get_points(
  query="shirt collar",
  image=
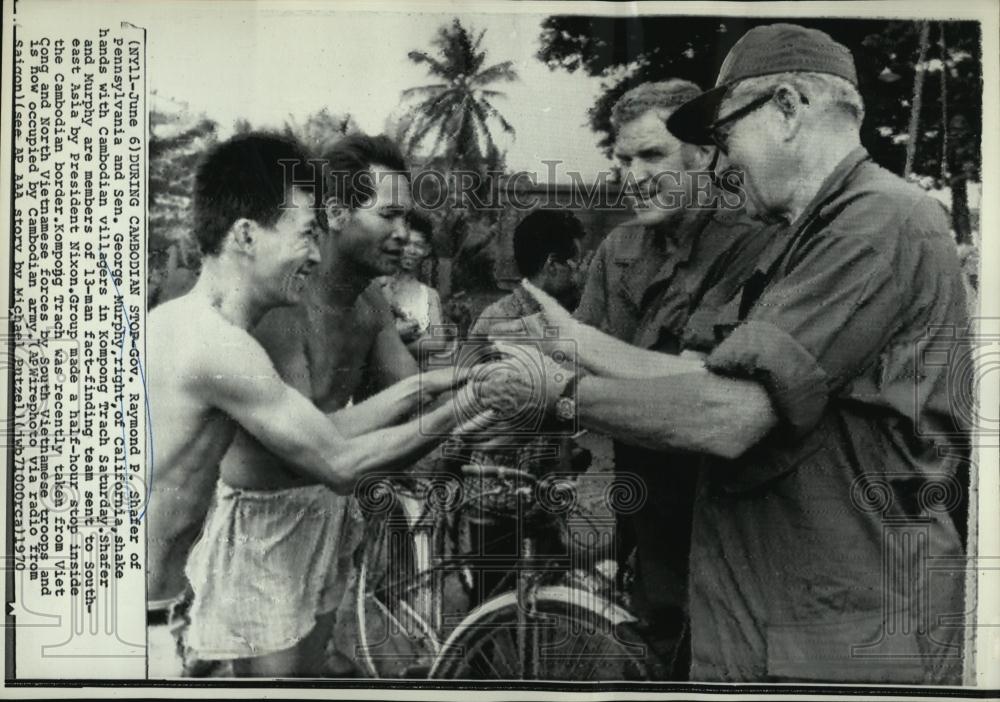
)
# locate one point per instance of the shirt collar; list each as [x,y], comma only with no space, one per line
[781,233]
[833,185]
[676,236]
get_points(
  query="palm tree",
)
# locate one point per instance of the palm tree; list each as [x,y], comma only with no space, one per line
[320,130]
[459,107]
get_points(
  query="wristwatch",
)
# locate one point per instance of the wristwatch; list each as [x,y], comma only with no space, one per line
[565,409]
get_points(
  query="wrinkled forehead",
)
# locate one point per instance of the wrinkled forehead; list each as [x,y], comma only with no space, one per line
[648,131]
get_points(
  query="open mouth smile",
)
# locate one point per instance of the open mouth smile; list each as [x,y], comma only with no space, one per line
[303,273]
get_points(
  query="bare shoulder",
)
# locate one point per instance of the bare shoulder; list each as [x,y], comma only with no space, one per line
[177,329]
[201,345]
[282,333]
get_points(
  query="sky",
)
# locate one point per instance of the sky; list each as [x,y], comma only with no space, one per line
[235,60]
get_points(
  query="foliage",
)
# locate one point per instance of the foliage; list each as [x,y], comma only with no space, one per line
[457,117]
[321,130]
[458,110]
[631,50]
[177,140]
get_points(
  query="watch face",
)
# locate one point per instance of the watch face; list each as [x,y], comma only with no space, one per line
[565,408]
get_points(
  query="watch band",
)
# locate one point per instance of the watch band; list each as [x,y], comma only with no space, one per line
[565,407]
[569,390]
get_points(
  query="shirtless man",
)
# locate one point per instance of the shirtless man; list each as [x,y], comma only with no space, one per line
[342,342]
[209,376]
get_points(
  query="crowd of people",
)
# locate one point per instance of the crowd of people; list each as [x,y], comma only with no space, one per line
[757,367]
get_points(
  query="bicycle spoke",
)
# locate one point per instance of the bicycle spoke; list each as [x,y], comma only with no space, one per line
[513,666]
[575,643]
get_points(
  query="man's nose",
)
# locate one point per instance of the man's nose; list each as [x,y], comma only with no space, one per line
[643,173]
[724,174]
[399,231]
[722,162]
[314,253]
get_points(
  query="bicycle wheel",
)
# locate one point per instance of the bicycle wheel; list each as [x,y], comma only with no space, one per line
[395,599]
[571,635]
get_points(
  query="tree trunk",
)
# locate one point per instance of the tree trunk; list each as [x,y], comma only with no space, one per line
[944,104]
[959,174]
[918,89]
[960,209]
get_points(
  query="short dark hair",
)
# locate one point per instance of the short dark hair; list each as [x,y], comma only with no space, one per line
[415,219]
[545,233]
[244,177]
[421,222]
[351,159]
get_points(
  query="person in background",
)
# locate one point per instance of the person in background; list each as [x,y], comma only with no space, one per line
[547,252]
[416,306]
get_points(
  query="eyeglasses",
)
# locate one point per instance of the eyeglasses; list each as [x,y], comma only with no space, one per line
[719,136]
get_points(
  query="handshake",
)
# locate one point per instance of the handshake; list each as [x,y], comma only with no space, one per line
[518,385]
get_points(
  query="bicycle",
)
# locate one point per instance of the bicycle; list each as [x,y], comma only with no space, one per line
[562,619]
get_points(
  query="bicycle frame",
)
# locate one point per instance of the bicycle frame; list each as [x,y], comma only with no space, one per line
[425,529]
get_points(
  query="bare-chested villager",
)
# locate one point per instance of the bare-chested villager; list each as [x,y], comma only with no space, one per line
[342,342]
[266,552]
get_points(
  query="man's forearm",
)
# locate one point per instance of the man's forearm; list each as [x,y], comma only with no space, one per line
[608,357]
[391,448]
[428,345]
[692,411]
[292,428]
[380,410]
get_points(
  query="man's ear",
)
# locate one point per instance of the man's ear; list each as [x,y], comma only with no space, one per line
[242,234]
[549,268]
[336,214]
[790,103]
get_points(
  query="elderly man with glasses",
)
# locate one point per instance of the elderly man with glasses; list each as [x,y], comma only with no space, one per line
[823,545]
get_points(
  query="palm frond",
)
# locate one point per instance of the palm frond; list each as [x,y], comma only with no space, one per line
[427,122]
[433,106]
[427,90]
[495,114]
[458,113]
[498,72]
[450,123]
[482,116]
[440,115]
[478,41]
[433,65]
